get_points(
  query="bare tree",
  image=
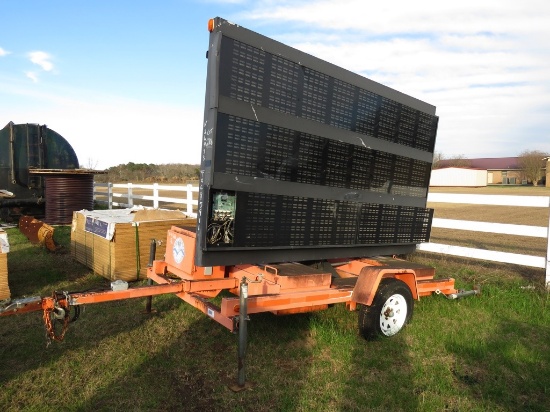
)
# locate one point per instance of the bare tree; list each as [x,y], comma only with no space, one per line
[458,161]
[90,164]
[438,157]
[439,161]
[531,163]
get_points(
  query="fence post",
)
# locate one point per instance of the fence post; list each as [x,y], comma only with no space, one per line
[156,195]
[130,194]
[110,195]
[547,279]
[189,200]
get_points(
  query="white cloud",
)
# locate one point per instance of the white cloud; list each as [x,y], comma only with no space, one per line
[482,64]
[41,59]
[3,52]
[32,75]
[421,16]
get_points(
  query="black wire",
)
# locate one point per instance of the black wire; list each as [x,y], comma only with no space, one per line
[76,314]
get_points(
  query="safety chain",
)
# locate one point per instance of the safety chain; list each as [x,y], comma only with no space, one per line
[56,312]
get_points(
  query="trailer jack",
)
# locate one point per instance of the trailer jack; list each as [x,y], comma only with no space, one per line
[460,293]
[243,338]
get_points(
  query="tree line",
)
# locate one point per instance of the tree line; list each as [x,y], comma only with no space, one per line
[150,173]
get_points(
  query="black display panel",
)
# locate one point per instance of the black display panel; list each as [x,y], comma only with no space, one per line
[305,160]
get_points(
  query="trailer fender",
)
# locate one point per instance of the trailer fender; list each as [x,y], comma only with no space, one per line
[369,279]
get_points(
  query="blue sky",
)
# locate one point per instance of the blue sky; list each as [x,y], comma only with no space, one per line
[123,81]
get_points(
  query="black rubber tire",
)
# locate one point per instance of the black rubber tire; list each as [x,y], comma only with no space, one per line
[373,324]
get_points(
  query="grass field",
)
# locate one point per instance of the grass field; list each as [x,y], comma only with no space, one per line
[485,353]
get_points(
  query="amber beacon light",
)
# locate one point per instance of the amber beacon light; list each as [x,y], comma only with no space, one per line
[211,23]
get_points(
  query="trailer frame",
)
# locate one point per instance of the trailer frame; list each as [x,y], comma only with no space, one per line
[282,289]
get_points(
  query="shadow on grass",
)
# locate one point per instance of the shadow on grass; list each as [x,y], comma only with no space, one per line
[196,370]
[508,371]
[187,365]
[375,368]
[24,346]
[32,267]
[179,359]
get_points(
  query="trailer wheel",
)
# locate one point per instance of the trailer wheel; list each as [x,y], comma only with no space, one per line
[390,311]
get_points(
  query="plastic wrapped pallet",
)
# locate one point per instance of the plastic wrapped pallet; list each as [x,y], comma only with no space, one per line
[4,249]
[116,243]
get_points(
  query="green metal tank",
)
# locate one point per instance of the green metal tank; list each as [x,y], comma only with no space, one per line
[24,147]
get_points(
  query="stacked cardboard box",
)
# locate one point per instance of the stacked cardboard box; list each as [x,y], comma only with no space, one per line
[116,243]
[4,249]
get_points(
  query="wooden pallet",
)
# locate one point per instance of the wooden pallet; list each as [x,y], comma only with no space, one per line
[125,255]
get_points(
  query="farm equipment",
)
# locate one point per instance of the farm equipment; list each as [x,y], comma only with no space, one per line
[313,181]
[23,149]
[38,232]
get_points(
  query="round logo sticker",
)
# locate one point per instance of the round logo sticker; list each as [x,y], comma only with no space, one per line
[178,251]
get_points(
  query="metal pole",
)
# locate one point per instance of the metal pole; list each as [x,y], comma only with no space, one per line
[547,268]
[152,253]
[155,195]
[110,195]
[243,302]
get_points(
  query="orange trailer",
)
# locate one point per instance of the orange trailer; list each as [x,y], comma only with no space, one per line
[382,290]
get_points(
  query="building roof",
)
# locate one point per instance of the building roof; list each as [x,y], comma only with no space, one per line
[488,163]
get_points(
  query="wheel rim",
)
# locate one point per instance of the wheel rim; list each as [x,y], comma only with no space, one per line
[393,315]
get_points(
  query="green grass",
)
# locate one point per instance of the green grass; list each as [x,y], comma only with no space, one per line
[485,353]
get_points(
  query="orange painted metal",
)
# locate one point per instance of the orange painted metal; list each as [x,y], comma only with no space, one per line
[159,267]
[282,289]
[427,287]
[27,308]
[410,278]
[350,268]
[280,278]
[369,280]
[306,309]
[180,260]
[38,232]
[286,287]
[137,292]
[206,288]
[159,278]
[180,256]
[48,303]
[201,286]
[209,309]
[419,279]
[351,306]
[284,301]
[367,284]
[196,299]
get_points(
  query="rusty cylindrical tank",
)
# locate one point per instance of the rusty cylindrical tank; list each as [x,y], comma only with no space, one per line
[66,191]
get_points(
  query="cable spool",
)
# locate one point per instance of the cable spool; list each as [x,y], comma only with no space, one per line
[67,191]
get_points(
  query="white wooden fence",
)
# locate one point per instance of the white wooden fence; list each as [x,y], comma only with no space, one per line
[104,194]
[110,197]
[508,229]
